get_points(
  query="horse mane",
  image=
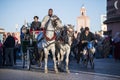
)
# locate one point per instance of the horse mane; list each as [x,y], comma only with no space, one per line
[57,18]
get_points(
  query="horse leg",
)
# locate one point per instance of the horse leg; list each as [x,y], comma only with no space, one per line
[54,59]
[67,60]
[40,52]
[60,60]
[91,57]
[46,59]
[58,56]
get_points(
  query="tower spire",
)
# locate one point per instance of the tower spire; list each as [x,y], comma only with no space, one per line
[83,10]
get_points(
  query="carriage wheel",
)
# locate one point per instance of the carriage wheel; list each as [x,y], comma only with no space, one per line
[28,59]
[23,60]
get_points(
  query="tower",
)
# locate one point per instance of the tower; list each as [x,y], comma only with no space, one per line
[83,20]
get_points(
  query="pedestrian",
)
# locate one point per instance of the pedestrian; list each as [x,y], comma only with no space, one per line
[9,45]
[74,47]
[106,47]
[116,42]
[1,53]
[16,47]
[4,38]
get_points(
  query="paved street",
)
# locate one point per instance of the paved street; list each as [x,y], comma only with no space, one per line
[105,69]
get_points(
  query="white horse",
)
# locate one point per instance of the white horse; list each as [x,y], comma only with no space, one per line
[64,44]
[48,43]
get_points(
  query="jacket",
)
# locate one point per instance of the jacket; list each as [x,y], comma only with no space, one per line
[9,42]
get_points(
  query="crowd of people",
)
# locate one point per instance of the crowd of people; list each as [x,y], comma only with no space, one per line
[8,49]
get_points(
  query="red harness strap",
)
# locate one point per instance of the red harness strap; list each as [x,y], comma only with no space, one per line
[48,39]
[36,31]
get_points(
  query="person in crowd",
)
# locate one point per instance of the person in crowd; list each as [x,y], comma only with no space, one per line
[23,32]
[78,35]
[15,48]
[16,39]
[99,46]
[9,45]
[116,42]
[106,47]
[4,38]
[74,47]
[1,53]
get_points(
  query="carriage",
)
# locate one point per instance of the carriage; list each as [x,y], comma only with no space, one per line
[32,45]
[29,46]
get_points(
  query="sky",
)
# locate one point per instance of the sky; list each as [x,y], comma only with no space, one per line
[14,12]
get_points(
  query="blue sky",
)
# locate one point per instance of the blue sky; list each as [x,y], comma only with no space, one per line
[14,12]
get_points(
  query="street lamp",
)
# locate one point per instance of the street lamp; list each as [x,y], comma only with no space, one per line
[16,27]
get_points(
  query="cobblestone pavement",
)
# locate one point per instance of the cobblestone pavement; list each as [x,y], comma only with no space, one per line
[105,69]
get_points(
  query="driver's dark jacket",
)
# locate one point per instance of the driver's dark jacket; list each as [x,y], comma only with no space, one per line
[88,38]
[35,25]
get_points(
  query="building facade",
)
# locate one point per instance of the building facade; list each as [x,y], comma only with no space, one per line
[83,20]
[1,34]
[103,26]
[113,16]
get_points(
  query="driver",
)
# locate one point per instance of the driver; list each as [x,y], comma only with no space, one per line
[36,25]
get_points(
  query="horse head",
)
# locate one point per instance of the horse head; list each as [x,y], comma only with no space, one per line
[67,34]
[56,22]
[70,30]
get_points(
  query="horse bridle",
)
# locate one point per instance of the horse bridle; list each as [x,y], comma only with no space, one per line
[64,34]
[54,22]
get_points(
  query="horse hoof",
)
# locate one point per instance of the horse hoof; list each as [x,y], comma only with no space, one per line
[46,71]
[68,71]
[40,65]
[56,71]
